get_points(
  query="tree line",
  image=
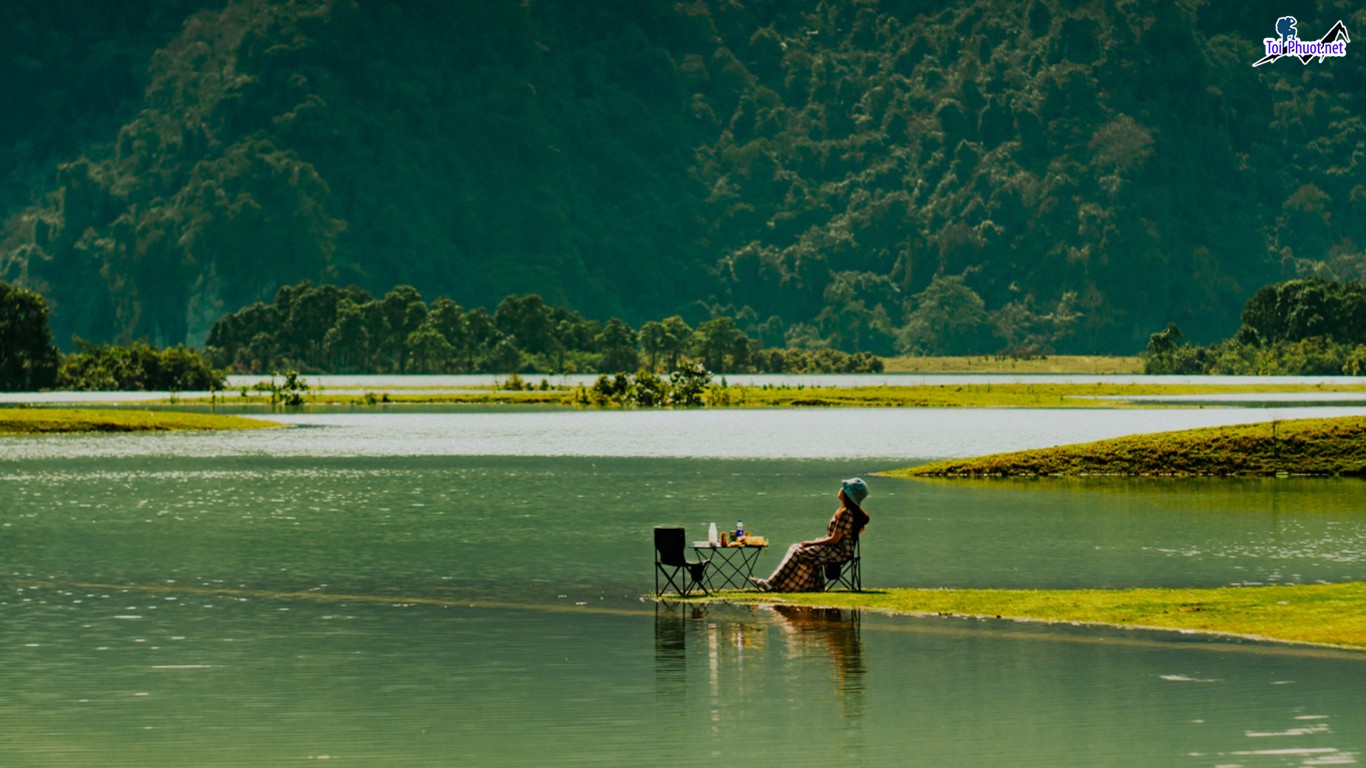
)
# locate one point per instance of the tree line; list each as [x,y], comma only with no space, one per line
[1301,327]
[330,329]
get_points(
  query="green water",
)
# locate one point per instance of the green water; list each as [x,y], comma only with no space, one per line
[170,607]
[530,529]
[261,681]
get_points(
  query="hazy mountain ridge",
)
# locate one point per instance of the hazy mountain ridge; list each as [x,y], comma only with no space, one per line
[809,167]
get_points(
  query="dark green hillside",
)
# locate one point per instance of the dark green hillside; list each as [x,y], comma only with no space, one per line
[71,71]
[877,175]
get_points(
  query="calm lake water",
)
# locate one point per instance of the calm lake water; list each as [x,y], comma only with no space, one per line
[463,587]
[355,385]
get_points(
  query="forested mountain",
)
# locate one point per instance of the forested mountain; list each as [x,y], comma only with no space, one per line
[71,73]
[875,174]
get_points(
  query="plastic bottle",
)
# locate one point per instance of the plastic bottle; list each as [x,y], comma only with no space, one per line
[711,535]
[739,529]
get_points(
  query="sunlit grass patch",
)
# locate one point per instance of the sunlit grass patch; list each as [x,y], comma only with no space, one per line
[30,421]
[1313,447]
[1320,614]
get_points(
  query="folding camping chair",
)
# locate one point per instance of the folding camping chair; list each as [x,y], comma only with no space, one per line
[670,562]
[848,573]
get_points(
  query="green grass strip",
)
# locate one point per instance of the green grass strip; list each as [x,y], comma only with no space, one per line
[1308,447]
[1054,364]
[38,421]
[1317,614]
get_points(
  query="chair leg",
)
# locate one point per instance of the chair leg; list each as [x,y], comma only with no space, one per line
[669,577]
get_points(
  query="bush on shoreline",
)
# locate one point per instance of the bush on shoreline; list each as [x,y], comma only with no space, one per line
[687,387]
[137,367]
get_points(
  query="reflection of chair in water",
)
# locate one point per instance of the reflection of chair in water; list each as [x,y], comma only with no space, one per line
[671,650]
[848,573]
[670,561]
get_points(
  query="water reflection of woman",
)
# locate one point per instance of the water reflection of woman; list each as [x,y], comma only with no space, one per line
[838,631]
[803,567]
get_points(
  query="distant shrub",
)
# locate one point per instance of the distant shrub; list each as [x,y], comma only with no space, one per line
[778,360]
[690,386]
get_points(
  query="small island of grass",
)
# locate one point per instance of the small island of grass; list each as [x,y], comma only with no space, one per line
[36,421]
[1317,614]
[1302,447]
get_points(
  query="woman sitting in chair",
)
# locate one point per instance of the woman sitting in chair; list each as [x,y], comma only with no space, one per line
[802,568]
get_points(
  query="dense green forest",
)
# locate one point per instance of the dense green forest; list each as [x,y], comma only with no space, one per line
[29,361]
[327,329]
[1296,328]
[871,175]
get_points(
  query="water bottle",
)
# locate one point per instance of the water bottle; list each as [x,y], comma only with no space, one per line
[711,535]
[739,529]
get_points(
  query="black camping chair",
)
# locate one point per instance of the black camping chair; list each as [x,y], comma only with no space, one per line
[848,573]
[670,561]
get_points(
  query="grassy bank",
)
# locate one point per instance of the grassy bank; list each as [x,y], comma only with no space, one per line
[1320,614]
[33,421]
[992,395]
[1056,364]
[1312,447]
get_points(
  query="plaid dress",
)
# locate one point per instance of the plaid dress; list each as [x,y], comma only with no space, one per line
[803,568]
